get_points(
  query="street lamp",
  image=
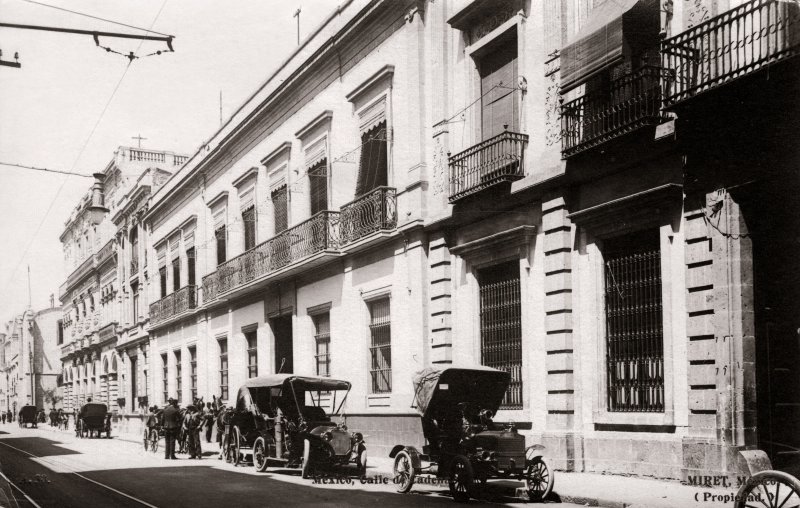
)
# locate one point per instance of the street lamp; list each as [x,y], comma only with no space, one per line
[97,210]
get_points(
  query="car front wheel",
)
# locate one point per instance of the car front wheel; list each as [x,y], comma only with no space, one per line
[260,455]
[404,472]
[461,479]
[538,479]
[306,470]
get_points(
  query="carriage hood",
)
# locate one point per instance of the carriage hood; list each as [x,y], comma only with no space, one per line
[94,410]
[442,389]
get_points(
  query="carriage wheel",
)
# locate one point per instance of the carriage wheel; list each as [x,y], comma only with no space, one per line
[769,489]
[306,466]
[153,440]
[461,479]
[260,461]
[146,439]
[404,472]
[538,479]
[361,460]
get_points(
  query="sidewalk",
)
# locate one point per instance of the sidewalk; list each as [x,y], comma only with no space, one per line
[588,489]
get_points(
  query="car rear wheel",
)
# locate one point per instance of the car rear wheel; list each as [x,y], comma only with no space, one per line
[306,466]
[538,479]
[404,472]
[461,479]
[770,489]
[260,455]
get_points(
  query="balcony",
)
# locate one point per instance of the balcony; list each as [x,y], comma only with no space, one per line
[373,212]
[729,46]
[318,234]
[490,162]
[632,101]
[174,304]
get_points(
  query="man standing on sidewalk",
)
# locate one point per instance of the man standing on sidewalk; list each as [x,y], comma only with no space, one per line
[171,421]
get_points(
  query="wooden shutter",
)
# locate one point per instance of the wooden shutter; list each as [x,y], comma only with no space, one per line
[280,208]
[373,164]
[318,185]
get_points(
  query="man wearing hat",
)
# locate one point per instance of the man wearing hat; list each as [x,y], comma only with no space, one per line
[171,421]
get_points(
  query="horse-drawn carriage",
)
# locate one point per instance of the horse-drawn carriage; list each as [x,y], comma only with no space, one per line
[28,415]
[93,418]
[464,445]
[278,420]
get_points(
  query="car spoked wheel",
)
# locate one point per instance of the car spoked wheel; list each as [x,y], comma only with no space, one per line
[538,479]
[462,478]
[361,460]
[306,468]
[260,455]
[769,489]
[404,472]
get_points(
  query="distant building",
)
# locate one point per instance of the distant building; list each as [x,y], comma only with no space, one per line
[29,359]
[99,289]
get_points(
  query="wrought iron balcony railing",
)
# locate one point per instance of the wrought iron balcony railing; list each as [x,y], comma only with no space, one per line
[733,44]
[632,101]
[173,304]
[317,234]
[367,214]
[498,159]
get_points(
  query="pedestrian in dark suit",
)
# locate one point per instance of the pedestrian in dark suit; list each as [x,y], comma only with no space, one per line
[171,421]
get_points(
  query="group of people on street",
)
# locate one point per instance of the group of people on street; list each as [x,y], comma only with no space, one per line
[190,421]
[7,416]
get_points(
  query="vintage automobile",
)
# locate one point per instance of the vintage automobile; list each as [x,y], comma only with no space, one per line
[278,420]
[92,418]
[28,416]
[463,444]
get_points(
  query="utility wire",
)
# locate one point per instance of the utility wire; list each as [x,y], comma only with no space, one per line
[80,154]
[23,166]
[94,17]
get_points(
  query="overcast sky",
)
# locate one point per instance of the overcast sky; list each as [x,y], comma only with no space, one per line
[49,107]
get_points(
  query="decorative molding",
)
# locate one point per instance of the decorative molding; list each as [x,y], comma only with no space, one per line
[286,146]
[318,309]
[385,72]
[245,176]
[324,117]
[514,242]
[211,203]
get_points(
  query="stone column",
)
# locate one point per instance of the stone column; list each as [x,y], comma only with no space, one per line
[441,334]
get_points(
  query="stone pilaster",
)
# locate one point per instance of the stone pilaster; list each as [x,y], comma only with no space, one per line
[440,295]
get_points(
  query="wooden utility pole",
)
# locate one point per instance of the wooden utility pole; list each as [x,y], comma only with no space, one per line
[297,15]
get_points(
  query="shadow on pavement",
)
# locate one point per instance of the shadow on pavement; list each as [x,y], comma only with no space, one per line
[39,446]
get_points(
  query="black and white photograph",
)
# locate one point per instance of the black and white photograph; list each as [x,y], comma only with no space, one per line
[399,253]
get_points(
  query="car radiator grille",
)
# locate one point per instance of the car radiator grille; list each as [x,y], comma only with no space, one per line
[340,443]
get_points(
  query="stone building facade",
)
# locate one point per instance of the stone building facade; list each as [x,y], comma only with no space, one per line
[583,194]
[29,359]
[100,356]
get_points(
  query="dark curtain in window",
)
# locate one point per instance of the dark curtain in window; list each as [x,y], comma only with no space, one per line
[176,274]
[373,168]
[280,206]
[190,266]
[221,245]
[249,219]
[318,182]
[162,277]
[499,108]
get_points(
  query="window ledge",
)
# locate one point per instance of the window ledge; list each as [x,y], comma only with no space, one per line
[667,418]
[379,400]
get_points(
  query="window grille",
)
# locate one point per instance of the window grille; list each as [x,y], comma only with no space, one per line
[318,184]
[178,376]
[280,207]
[223,369]
[252,354]
[220,235]
[380,346]
[322,338]
[165,377]
[501,326]
[634,336]
[249,219]
[193,370]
